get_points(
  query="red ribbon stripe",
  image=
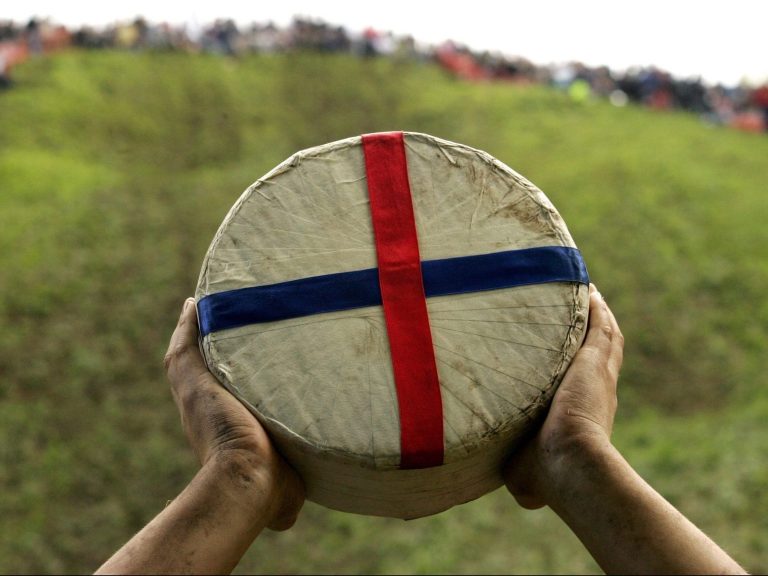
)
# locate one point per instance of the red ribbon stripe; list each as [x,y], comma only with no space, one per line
[405,308]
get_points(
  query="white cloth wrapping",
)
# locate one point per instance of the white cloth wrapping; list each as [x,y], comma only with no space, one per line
[323,385]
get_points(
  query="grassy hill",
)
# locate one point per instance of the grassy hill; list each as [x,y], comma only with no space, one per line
[115,171]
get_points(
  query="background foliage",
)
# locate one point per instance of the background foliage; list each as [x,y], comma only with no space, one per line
[116,170]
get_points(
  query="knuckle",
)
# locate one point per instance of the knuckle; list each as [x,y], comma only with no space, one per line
[168,361]
[590,353]
[605,373]
[173,356]
[192,407]
[189,399]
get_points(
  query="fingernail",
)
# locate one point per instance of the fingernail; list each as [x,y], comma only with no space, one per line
[187,303]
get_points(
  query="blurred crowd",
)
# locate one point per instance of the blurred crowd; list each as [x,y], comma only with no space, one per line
[743,107]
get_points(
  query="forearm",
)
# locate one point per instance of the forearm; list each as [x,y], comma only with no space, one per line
[626,525]
[206,529]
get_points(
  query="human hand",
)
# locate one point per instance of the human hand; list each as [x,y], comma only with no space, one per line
[580,419]
[222,431]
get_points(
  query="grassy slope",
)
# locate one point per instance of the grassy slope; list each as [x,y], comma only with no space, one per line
[115,171]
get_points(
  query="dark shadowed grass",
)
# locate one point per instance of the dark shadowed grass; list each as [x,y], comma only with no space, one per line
[116,170]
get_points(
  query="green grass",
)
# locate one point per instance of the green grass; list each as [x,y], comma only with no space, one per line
[116,170]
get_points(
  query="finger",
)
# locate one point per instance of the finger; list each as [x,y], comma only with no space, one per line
[616,357]
[607,337]
[606,313]
[183,355]
[604,344]
[602,325]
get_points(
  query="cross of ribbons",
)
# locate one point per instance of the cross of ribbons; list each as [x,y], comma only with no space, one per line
[400,284]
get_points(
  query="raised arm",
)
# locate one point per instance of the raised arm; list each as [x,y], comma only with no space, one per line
[572,467]
[243,485]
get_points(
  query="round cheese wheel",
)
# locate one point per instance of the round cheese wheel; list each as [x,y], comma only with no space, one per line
[306,319]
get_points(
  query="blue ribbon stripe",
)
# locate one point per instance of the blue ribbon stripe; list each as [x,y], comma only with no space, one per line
[360,288]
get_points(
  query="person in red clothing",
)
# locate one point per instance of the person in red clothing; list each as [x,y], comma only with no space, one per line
[244,485]
[760,99]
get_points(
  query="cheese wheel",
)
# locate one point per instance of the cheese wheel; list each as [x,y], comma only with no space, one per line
[299,303]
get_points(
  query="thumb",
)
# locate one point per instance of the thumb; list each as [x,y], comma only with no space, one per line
[520,476]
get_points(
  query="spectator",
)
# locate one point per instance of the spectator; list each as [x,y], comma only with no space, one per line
[760,99]
[727,106]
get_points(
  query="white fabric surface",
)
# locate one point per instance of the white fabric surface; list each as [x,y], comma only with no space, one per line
[323,385]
